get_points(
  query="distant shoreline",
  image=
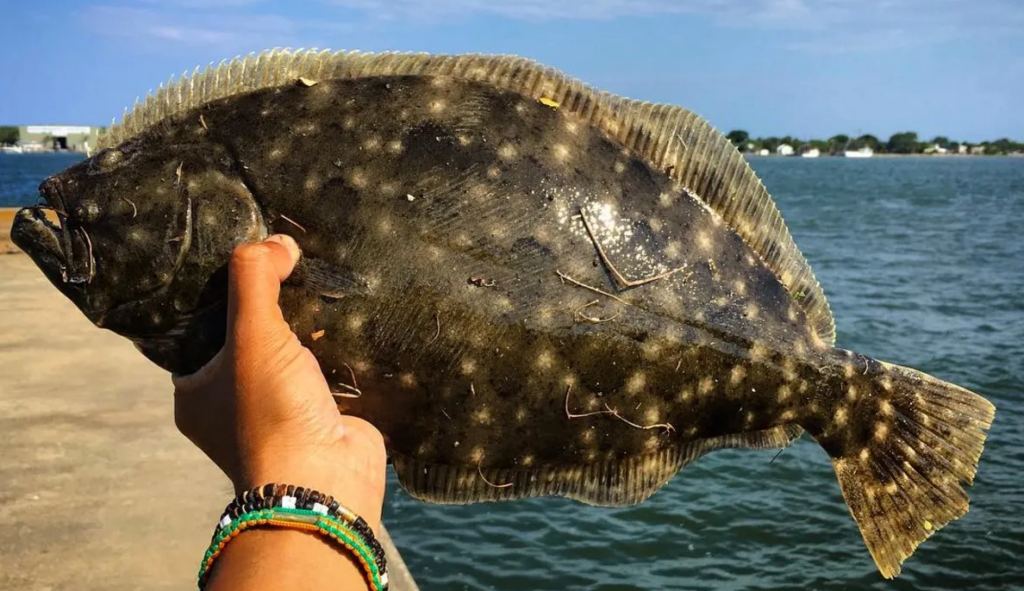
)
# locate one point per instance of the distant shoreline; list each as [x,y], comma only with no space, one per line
[882,155]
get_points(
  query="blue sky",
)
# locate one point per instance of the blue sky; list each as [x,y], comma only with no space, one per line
[773,67]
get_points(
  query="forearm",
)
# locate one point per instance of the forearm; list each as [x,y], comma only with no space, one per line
[262,559]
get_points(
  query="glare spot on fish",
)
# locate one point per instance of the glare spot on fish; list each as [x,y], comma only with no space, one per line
[881,431]
[506,151]
[706,385]
[784,392]
[737,374]
[468,366]
[636,383]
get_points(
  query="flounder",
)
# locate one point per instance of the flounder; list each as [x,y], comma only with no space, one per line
[531,287]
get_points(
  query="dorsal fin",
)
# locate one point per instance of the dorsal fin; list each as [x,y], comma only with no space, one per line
[671,139]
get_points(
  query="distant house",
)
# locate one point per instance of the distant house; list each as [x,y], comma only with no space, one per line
[811,153]
[784,150]
[962,149]
[935,149]
[977,150]
[763,152]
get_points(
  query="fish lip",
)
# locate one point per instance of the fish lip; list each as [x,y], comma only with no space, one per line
[70,234]
[43,241]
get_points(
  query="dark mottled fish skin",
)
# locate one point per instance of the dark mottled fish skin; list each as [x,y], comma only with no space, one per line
[453,290]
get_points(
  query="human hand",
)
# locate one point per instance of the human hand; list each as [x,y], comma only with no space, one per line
[261,408]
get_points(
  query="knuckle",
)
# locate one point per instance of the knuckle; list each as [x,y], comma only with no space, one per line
[249,254]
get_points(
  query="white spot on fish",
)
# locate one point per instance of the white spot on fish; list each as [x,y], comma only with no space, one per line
[751,310]
[840,416]
[493,172]
[437,105]
[620,167]
[527,461]
[275,154]
[482,416]
[507,151]
[881,431]
[468,366]
[372,144]
[737,374]
[477,455]
[685,394]
[355,322]
[571,126]
[395,146]
[704,241]
[706,385]
[636,383]
[545,360]
[561,153]
[666,199]
[885,408]
[851,392]
[739,287]
[784,392]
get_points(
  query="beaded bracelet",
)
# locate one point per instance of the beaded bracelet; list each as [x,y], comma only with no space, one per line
[288,506]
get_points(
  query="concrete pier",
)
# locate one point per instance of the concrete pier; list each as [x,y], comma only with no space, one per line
[98,490]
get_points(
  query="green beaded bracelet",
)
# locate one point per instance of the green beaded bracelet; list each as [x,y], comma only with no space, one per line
[343,534]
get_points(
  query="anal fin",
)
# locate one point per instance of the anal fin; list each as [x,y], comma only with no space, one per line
[327,280]
[610,483]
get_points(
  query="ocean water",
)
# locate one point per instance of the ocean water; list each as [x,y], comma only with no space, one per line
[923,263]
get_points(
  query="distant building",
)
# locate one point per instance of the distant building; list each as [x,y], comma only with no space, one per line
[763,152]
[962,149]
[76,138]
[935,149]
[784,150]
[978,150]
[811,153]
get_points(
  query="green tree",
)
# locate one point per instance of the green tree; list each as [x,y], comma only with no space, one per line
[770,143]
[821,145]
[738,137]
[940,141]
[904,142]
[870,141]
[9,134]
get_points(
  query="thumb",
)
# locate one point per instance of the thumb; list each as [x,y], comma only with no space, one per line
[255,273]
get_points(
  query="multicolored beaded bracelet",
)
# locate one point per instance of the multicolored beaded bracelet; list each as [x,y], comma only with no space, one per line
[288,506]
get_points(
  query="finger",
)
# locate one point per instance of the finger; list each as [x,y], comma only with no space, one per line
[254,284]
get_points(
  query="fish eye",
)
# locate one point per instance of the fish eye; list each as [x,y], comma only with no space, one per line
[87,212]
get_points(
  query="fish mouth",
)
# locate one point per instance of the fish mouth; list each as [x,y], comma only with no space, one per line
[63,250]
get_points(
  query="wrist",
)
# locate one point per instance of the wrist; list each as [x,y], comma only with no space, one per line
[355,492]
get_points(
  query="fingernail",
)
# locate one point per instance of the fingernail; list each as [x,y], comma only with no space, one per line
[289,243]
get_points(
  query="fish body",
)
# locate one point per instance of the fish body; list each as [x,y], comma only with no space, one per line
[529,287]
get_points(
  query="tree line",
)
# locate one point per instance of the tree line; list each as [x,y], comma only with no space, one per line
[904,142]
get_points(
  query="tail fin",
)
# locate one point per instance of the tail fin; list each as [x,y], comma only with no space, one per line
[910,446]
